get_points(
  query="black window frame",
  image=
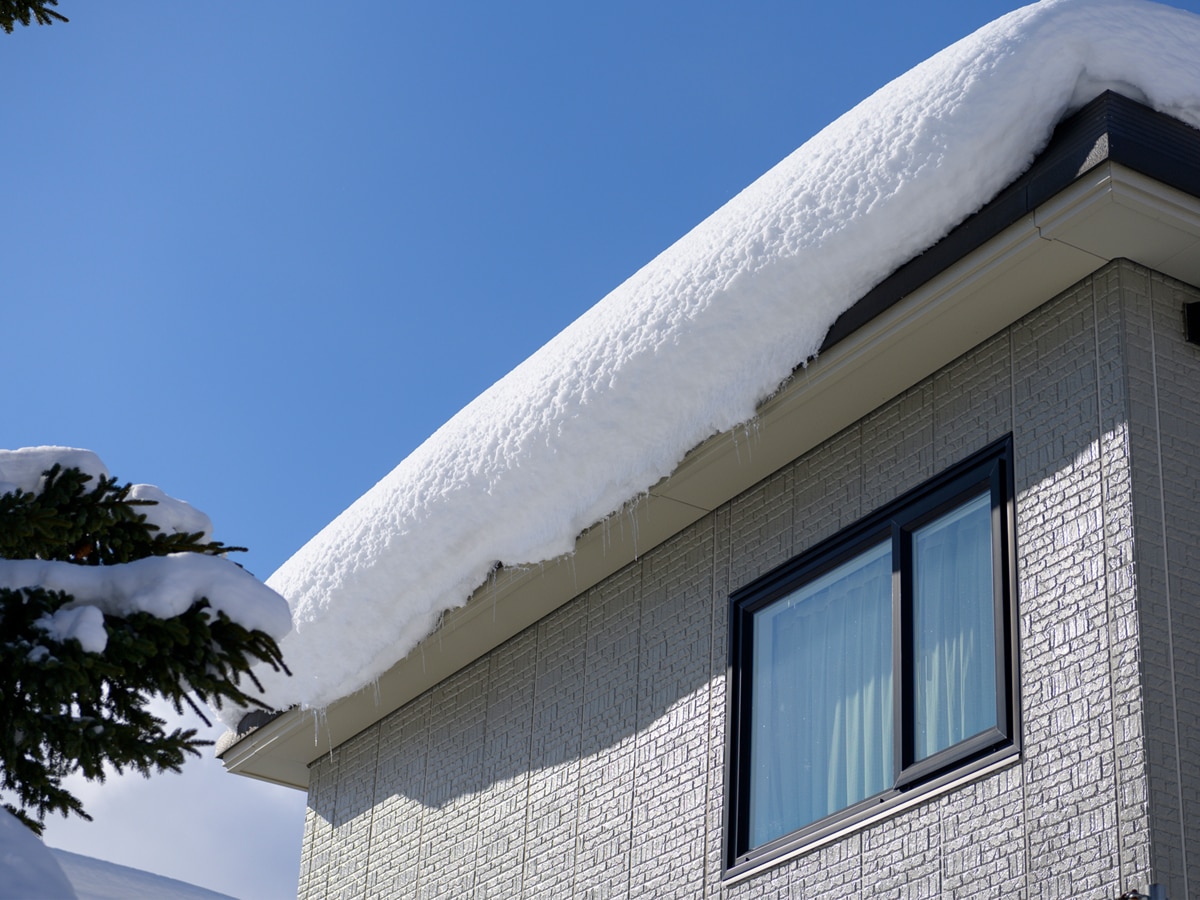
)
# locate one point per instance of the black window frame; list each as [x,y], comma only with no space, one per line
[991,469]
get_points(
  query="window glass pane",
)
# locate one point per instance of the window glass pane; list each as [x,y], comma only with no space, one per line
[954,662]
[821,713]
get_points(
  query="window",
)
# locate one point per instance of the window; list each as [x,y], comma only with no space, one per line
[875,666]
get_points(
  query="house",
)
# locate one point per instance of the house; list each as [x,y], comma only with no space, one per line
[925,628]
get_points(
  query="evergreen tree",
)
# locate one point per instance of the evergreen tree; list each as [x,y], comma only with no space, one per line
[27,11]
[64,709]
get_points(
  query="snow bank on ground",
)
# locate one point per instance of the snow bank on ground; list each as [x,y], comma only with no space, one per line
[164,586]
[692,343]
[98,879]
[27,868]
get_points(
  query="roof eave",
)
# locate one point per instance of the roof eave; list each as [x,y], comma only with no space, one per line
[1117,180]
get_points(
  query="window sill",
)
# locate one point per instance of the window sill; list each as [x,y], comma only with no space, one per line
[863,818]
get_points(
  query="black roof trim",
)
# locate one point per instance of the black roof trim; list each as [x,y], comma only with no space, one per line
[1111,128]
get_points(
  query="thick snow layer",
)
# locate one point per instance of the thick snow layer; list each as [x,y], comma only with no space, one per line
[22,469]
[691,344]
[81,623]
[163,586]
[170,515]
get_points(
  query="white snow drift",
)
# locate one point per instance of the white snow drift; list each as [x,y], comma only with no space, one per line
[27,867]
[692,343]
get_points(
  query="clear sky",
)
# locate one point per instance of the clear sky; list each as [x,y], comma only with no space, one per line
[255,254]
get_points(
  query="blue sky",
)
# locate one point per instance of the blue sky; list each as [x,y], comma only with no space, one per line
[255,254]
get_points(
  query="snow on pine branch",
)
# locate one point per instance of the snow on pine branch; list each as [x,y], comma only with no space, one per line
[24,470]
[109,597]
[163,586]
[171,515]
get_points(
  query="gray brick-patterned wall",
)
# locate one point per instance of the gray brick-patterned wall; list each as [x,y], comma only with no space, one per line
[585,757]
[1164,433]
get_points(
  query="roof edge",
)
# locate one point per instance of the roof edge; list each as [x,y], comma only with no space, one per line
[1116,180]
[1110,128]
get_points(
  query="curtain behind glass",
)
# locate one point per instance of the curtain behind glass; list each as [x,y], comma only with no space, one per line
[954,668]
[821,710]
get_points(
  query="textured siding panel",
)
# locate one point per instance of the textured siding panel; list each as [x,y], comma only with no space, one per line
[1067,704]
[983,828]
[604,836]
[503,805]
[454,768]
[354,812]
[586,757]
[553,801]
[900,438]
[1164,430]
[314,852]
[1120,591]
[972,401]
[399,810]
[671,765]
[828,497]
[904,860]
[1178,381]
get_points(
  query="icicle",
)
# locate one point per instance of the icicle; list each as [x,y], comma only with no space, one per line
[633,526]
[321,723]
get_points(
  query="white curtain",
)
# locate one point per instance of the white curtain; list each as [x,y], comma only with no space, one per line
[821,713]
[953,628]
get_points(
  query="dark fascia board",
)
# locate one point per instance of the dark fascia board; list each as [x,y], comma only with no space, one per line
[1111,128]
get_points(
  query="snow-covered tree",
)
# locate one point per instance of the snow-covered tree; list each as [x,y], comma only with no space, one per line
[110,595]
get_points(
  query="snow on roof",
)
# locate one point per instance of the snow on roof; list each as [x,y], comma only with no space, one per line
[691,344]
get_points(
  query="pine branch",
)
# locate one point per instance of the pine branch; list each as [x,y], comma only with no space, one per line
[65,710]
[25,11]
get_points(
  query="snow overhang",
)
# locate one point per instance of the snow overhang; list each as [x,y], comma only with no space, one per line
[1117,180]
